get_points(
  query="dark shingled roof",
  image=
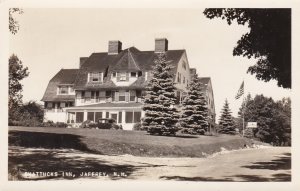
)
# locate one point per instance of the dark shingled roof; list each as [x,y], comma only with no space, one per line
[130,59]
[64,76]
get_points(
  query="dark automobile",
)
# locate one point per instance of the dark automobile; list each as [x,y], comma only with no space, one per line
[108,123]
[102,123]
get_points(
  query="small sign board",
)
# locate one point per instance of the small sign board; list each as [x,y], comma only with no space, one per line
[252,125]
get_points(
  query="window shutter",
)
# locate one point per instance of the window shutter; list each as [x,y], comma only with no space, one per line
[127,96]
[117,96]
[78,94]
[127,76]
[118,76]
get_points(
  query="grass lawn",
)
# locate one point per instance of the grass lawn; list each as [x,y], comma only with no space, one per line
[118,142]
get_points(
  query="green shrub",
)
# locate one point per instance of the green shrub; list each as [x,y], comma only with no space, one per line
[208,133]
[138,127]
[61,124]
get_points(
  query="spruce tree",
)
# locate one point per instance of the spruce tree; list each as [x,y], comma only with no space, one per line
[194,118]
[249,133]
[160,113]
[226,122]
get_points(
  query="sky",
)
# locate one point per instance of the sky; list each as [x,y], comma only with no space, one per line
[50,39]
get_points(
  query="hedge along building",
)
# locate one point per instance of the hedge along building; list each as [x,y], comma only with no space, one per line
[111,84]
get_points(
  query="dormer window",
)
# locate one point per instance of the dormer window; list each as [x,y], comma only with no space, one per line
[95,77]
[122,76]
[63,90]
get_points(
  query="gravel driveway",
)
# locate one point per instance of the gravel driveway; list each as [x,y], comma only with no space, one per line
[258,164]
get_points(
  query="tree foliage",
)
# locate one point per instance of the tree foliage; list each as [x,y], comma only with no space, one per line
[226,122]
[269,41]
[195,114]
[30,114]
[17,72]
[13,23]
[160,113]
[273,118]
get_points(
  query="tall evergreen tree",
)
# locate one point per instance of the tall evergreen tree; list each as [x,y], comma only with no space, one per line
[226,122]
[195,114]
[160,113]
[249,133]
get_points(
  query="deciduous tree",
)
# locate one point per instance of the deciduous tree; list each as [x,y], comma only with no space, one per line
[269,41]
[17,72]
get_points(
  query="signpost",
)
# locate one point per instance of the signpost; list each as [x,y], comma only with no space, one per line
[252,125]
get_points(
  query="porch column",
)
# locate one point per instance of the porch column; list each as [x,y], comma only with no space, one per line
[55,107]
[142,113]
[67,116]
[123,117]
[84,115]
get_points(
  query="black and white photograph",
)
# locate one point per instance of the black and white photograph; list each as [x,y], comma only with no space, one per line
[170,95]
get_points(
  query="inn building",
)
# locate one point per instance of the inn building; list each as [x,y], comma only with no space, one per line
[112,85]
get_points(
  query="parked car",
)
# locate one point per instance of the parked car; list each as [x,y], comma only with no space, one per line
[108,123]
[103,123]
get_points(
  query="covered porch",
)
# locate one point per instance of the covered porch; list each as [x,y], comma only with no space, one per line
[125,114]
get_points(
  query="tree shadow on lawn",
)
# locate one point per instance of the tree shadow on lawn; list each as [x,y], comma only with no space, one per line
[282,177]
[45,161]
[47,140]
[175,136]
[281,163]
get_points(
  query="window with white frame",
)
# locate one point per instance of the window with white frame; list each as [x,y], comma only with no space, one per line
[71,89]
[122,96]
[95,77]
[132,95]
[122,76]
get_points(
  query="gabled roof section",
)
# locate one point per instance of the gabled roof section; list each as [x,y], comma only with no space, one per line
[64,76]
[127,61]
[98,61]
[205,80]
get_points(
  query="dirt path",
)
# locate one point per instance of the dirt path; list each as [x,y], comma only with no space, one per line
[262,164]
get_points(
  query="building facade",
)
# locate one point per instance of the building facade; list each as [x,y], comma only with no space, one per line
[111,84]
[208,91]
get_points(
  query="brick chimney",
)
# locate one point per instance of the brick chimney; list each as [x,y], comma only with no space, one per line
[82,60]
[161,45]
[114,47]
